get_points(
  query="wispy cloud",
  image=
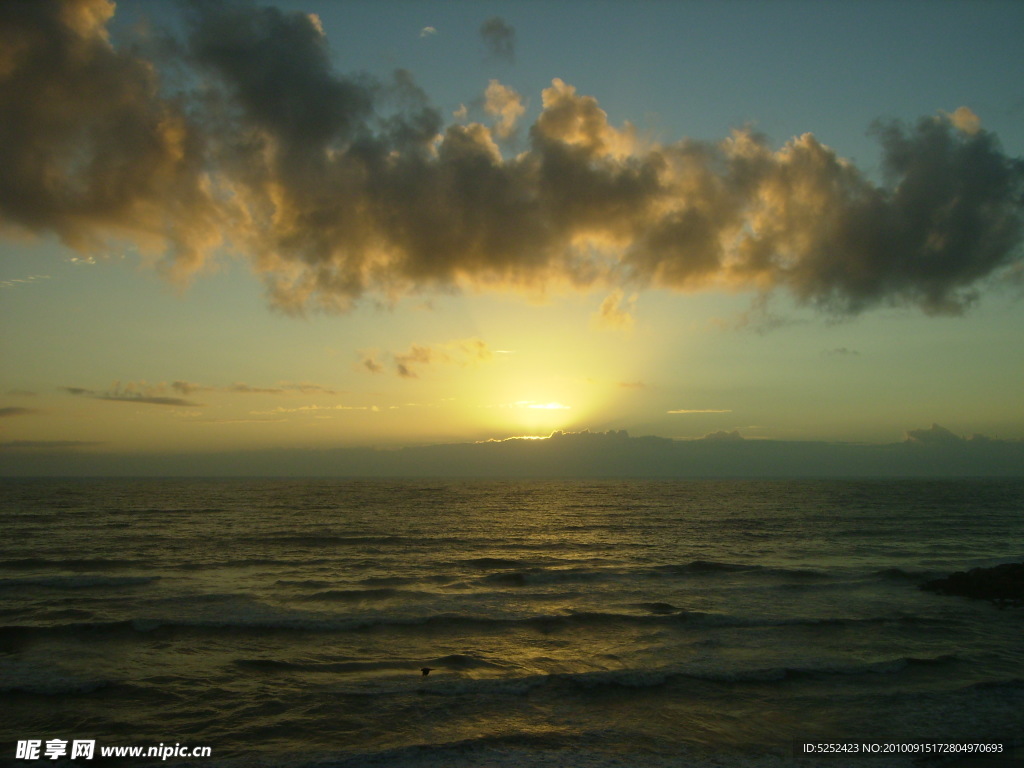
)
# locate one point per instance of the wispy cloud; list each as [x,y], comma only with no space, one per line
[133,392]
[841,352]
[615,312]
[284,388]
[700,410]
[15,282]
[315,409]
[428,31]
[499,39]
[16,411]
[410,363]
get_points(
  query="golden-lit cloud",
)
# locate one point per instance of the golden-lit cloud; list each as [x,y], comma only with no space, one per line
[615,312]
[312,409]
[506,105]
[965,120]
[341,189]
[409,364]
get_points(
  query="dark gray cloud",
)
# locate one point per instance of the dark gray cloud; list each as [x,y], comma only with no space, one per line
[133,393]
[343,188]
[16,411]
[499,38]
[127,397]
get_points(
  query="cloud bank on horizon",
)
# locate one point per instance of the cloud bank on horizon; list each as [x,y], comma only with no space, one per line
[345,188]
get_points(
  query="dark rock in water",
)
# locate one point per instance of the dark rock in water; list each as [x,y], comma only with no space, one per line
[1002,585]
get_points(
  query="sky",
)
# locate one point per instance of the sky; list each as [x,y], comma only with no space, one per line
[315,225]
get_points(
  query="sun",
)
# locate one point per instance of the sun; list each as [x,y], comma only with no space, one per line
[541,418]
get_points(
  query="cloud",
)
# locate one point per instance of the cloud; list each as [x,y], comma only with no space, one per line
[154,393]
[408,364]
[308,409]
[841,352]
[935,435]
[370,363]
[427,32]
[505,104]
[90,149]
[964,119]
[187,387]
[345,188]
[17,281]
[499,38]
[699,410]
[133,392]
[16,411]
[615,311]
[722,436]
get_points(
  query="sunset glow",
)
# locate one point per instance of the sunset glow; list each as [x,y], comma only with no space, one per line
[441,231]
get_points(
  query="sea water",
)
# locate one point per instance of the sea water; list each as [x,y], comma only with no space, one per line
[286,622]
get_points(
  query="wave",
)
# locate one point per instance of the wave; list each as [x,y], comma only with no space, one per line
[24,677]
[77,582]
[319,541]
[902,574]
[530,576]
[455,661]
[250,562]
[714,566]
[682,679]
[362,595]
[279,665]
[398,581]
[493,562]
[659,608]
[263,619]
[660,678]
[71,564]
[306,583]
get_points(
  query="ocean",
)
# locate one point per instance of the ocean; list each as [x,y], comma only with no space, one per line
[592,624]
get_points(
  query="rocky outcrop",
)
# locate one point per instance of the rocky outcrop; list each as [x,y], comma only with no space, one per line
[1002,585]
